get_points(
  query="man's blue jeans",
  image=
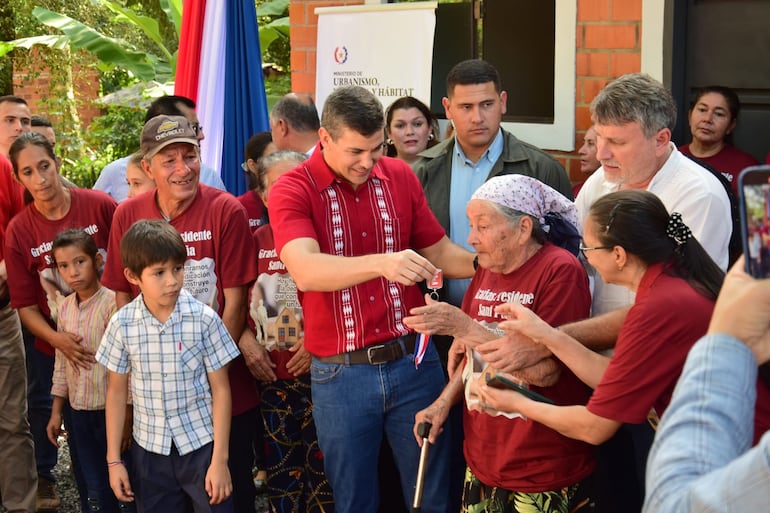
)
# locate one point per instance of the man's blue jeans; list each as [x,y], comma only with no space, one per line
[354,406]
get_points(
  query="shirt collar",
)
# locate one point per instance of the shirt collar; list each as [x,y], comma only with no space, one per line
[491,155]
[141,313]
[323,176]
[84,304]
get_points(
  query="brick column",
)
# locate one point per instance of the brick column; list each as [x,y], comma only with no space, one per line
[303,26]
[608,45]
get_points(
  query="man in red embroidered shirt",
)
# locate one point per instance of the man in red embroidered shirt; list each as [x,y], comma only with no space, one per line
[354,230]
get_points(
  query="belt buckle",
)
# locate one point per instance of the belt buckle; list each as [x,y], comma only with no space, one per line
[370,355]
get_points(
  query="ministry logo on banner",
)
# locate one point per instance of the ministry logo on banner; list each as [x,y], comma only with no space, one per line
[402,68]
[340,55]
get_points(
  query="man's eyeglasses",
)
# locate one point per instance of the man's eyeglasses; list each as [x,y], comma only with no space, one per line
[197,128]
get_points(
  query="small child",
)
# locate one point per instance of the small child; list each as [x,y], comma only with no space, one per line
[137,180]
[84,313]
[176,349]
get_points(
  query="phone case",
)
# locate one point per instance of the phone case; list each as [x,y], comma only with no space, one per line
[754,199]
[497,379]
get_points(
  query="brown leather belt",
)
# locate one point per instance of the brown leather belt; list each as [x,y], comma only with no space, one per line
[375,355]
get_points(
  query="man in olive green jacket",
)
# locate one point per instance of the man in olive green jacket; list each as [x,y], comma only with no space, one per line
[451,171]
[518,157]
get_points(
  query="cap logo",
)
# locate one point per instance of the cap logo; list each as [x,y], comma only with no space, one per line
[168,129]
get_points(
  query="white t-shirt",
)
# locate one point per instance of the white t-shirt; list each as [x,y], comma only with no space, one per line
[683,186]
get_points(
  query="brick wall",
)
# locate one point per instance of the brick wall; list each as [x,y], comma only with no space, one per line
[34,91]
[608,45]
[303,27]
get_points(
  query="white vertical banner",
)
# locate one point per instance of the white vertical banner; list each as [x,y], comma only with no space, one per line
[388,49]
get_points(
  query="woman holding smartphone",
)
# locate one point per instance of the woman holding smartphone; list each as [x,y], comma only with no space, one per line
[631,240]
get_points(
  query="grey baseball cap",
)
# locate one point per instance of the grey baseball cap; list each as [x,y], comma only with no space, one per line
[163,130]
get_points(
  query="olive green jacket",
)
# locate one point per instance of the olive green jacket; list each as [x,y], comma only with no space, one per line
[434,171]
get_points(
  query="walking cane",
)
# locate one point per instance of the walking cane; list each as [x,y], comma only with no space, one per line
[423,429]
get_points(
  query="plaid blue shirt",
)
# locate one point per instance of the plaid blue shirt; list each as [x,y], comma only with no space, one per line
[169,364]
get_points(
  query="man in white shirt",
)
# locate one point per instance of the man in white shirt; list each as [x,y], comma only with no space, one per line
[633,119]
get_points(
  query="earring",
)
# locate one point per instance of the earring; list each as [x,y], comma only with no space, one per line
[389,142]
[430,137]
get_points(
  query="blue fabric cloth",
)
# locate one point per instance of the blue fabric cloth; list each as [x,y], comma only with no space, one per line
[467,176]
[245,105]
[701,459]
[112,179]
[169,365]
[379,400]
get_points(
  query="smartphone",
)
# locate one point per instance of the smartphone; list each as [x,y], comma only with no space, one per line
[500,381]
[754,197]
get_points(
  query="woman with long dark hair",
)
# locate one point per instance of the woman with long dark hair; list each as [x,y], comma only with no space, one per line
[37,290]
[631,240]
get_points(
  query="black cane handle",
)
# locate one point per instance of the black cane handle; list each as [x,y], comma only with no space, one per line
[423,429]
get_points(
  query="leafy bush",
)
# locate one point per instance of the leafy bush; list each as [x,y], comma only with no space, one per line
[109,137]
[117,131]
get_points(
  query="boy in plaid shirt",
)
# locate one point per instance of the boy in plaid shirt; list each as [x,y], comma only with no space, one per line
[176,349]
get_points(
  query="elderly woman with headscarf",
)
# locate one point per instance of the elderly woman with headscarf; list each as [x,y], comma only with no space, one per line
[631,240]
[512,461]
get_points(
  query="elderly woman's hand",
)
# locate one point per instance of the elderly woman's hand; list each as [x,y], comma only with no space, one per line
[513,352]
[435,414]
[437,318]
[299,363]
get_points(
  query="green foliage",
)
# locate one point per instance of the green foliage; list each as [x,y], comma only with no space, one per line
[279,85]
[109,137]
[126,40]
[6,32]
[273,21]
[136,31]
[116,132]
[110,52]
[114,80]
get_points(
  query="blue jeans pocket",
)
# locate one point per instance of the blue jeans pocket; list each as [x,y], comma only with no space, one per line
[321,373]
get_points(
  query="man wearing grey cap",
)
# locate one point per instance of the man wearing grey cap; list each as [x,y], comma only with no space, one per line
[112,179]
[220,264]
